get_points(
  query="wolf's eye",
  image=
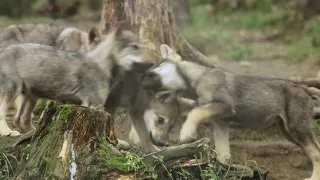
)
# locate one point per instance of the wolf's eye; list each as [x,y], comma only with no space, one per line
[161,120]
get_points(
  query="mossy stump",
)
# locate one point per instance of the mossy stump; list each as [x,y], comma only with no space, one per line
[65,142]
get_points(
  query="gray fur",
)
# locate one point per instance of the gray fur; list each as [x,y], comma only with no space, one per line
[254,102]
[62,38]
[39,71]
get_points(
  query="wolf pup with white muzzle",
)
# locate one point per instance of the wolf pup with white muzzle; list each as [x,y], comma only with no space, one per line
[254,102]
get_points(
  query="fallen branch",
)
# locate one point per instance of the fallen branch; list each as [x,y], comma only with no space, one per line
[176,152]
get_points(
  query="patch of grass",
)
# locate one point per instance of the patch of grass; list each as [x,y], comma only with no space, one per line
[251,20]
[230,34]
[126,162]
[8,21]
[239,52]
[6,170]
[298,51]
[211,172]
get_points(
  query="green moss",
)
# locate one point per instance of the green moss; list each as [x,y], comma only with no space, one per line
[41,105]
[126,162]
[64,112]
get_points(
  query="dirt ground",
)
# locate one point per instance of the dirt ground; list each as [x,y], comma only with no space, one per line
[267,149]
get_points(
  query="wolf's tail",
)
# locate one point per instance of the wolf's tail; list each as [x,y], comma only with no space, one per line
[313,92]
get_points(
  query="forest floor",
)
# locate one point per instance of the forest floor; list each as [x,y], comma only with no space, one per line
[241,50]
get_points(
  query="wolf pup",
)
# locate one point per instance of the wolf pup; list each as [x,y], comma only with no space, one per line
[254,102]
[39,71]
[62,38]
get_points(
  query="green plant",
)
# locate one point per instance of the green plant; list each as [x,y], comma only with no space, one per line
[210,172]
[6,170]
[239,52]
[126,162]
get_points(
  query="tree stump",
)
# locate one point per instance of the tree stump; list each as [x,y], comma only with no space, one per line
[75,142]
[65,142]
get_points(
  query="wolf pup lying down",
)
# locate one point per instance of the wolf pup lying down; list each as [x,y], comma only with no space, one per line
[39,71]
[255,102]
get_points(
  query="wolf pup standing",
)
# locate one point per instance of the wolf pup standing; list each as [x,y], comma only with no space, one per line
[254,102]
[39,71]
[62,38]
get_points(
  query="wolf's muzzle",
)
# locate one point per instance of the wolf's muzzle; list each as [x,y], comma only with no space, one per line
[141,67]
[151,81]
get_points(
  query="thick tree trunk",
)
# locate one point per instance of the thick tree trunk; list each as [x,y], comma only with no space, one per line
[65,143]
[182,13]
[153,20]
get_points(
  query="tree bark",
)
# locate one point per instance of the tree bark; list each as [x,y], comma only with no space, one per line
[152,20]
[65,142]
[182,13]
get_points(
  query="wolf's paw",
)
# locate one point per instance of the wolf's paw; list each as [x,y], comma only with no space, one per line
[14,133]
[188,133]
[9,133]
[224,158]
[150,148]
[5,130]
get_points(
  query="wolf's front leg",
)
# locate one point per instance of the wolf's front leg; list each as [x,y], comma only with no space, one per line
[188,132]
[142,131]
[4,105]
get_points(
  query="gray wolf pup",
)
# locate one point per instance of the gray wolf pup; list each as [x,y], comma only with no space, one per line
[254,102]
[62,38]
[39,71]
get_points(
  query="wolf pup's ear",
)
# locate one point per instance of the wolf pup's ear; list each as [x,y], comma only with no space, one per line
[165,96]
[94,35]
[169,53]
[186,105]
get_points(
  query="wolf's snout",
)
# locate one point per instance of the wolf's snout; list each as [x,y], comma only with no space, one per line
[151,80]
[158,142]
[142,67]
[149,75]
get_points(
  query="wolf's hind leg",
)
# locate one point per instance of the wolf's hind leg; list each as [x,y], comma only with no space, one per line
[296,126]
[17,103]
[26,116]
[5,100]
